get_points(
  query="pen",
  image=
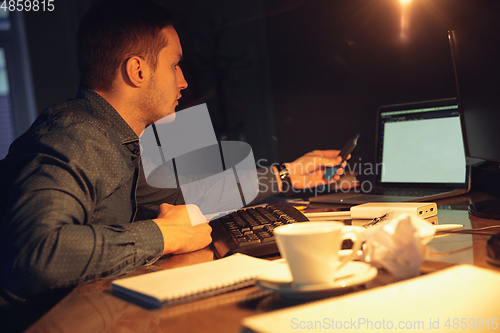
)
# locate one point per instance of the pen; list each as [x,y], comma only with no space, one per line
[443,227]
[328,216]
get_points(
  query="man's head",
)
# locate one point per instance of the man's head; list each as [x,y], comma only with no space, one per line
[129,49]
[115,30]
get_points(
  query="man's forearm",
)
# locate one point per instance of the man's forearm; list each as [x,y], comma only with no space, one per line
[53,247]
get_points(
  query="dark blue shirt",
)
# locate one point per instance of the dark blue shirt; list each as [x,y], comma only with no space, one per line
[69,197]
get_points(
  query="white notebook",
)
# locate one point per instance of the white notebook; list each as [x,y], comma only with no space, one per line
[191,282]
[462,298]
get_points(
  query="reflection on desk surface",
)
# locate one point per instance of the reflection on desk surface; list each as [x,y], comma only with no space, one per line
[452,248]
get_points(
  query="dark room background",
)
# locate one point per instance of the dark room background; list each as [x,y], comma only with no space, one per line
[287,76]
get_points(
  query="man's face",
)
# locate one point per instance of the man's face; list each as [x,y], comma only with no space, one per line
[167,81]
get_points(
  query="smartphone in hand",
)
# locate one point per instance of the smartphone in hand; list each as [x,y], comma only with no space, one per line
[348,148]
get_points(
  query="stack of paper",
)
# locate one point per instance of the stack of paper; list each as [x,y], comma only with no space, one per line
[459,299]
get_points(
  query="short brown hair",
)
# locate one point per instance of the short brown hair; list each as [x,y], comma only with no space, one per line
[113,31]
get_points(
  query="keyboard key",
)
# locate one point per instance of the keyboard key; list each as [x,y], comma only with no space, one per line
[251,229]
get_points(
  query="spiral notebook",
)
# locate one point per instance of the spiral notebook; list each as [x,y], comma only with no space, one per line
[154,290]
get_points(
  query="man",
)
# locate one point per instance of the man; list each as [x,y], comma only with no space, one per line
[73,185]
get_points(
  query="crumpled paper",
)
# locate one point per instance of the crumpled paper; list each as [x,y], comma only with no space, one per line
[399,245]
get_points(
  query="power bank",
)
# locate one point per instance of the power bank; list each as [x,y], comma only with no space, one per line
[372,210]
[432,220]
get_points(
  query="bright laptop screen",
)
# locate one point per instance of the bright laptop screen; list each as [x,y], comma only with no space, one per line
[421,145]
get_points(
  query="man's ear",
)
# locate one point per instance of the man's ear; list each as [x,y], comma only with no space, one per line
[135,71]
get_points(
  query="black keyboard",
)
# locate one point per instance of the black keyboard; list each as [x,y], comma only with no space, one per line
[250,230]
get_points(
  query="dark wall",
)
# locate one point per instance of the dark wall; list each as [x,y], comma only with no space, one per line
[227,67]
[335,62]
[287,76]
[52,48]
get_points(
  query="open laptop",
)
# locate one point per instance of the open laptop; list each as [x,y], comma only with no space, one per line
[420,156]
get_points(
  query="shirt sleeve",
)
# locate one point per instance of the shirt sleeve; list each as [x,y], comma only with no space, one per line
[50,237]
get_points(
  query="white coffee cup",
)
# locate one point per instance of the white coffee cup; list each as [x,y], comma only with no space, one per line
[311,250]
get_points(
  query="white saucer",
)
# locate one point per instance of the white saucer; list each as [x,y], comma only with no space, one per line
[354,273]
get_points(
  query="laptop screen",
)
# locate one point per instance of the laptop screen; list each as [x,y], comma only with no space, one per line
[421,143]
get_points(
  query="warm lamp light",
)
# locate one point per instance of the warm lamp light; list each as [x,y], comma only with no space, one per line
[405,20]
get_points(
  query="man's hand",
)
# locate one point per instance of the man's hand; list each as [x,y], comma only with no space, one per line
[184,228]
[307,171]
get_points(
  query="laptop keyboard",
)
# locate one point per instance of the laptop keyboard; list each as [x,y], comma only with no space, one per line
[408,192]
[250,231]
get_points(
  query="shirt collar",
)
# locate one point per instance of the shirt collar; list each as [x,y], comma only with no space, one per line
[102,109]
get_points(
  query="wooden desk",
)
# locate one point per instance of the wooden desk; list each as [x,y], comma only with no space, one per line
[92,308]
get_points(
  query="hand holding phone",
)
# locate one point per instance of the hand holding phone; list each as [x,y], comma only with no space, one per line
[348,148]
